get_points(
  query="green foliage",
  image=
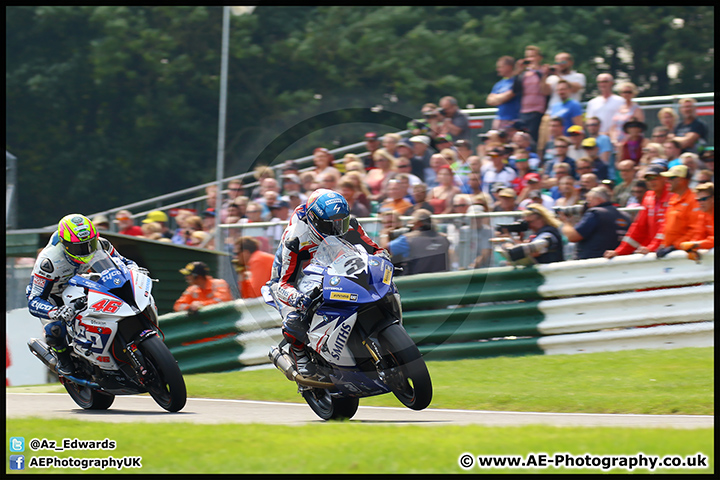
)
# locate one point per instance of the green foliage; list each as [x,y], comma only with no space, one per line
[120,103]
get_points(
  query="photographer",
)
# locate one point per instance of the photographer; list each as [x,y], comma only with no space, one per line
[601,227]
[544,246]
[423,249]
[455,122]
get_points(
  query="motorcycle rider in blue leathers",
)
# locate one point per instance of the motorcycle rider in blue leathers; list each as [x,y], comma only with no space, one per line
[326,213]
[68,253]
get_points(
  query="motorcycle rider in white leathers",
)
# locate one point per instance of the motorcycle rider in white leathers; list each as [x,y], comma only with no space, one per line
[68,253]
[326,213]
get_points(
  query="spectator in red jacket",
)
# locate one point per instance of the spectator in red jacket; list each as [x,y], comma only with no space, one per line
[126,224]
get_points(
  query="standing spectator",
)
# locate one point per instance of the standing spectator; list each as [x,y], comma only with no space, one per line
[390,142]
[630,148]
[628,111]
[555,131]
[562,145]
[637,193]
[202,289]
[180,237]
[559,171]
[126,224]
[576,135]
[456,123]
[605,146]
[668,119]
[419,194]
[479,242]
[681,217]
[377,178]
[423,249]
[646,232]
[431,123]
[606,104]
[705,238]
[660,134]
[505,94]
[235,190]
[160,217]
[623,190]
[522,142]
[601,227]
[566,108]
[499,172]
[253,266]
[598,166]
[349,190]
[576,81]
[372,143]
[395,199]
[569,195]
[323,161]
[535,90]
[441,197]
[673,150]
[421,156]
[691,133]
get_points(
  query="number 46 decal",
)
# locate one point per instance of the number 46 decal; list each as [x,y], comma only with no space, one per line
[106,306]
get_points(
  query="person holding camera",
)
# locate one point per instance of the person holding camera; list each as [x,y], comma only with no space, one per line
[601,227]
[533,102]
[455,122]
[543,246]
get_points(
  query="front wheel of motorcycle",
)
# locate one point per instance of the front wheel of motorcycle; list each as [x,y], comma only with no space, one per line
[328,407]
[409,378]
[167,386]
[86,397]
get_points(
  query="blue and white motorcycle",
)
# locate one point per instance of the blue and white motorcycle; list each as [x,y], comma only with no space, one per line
[114,340]
[356,341]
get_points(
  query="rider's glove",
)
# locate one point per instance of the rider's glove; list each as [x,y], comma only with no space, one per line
[64,313]
[300,301]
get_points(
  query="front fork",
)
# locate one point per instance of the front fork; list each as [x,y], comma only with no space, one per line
[135,356]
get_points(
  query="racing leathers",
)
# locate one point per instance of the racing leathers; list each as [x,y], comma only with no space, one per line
[51,273]
[297,248]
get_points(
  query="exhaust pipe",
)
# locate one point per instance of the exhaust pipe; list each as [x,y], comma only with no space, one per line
[42,352]
[285,364]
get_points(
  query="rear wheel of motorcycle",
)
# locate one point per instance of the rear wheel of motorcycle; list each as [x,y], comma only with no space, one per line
[328,407]
[86,397]
[411,384]
[168,386]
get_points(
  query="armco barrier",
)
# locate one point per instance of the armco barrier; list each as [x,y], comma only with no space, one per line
[628,302]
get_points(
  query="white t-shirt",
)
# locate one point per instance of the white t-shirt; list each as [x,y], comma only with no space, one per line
[572,77]
[604,109]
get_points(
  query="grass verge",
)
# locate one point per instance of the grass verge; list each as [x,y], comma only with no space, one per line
[342,447]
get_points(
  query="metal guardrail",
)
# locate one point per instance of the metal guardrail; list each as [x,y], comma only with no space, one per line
[570,307]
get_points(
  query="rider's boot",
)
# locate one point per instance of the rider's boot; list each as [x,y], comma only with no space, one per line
[55,338]
[302,361]
[295,332]
[65,365]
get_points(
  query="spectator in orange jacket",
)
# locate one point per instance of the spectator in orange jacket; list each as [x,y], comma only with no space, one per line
[706,221]
[683,212]
[646,232]
[202,289]
[254,266]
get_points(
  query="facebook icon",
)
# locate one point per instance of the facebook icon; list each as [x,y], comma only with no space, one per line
[17,462]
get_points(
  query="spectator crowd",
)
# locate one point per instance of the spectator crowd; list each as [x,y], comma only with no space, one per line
[565,169]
